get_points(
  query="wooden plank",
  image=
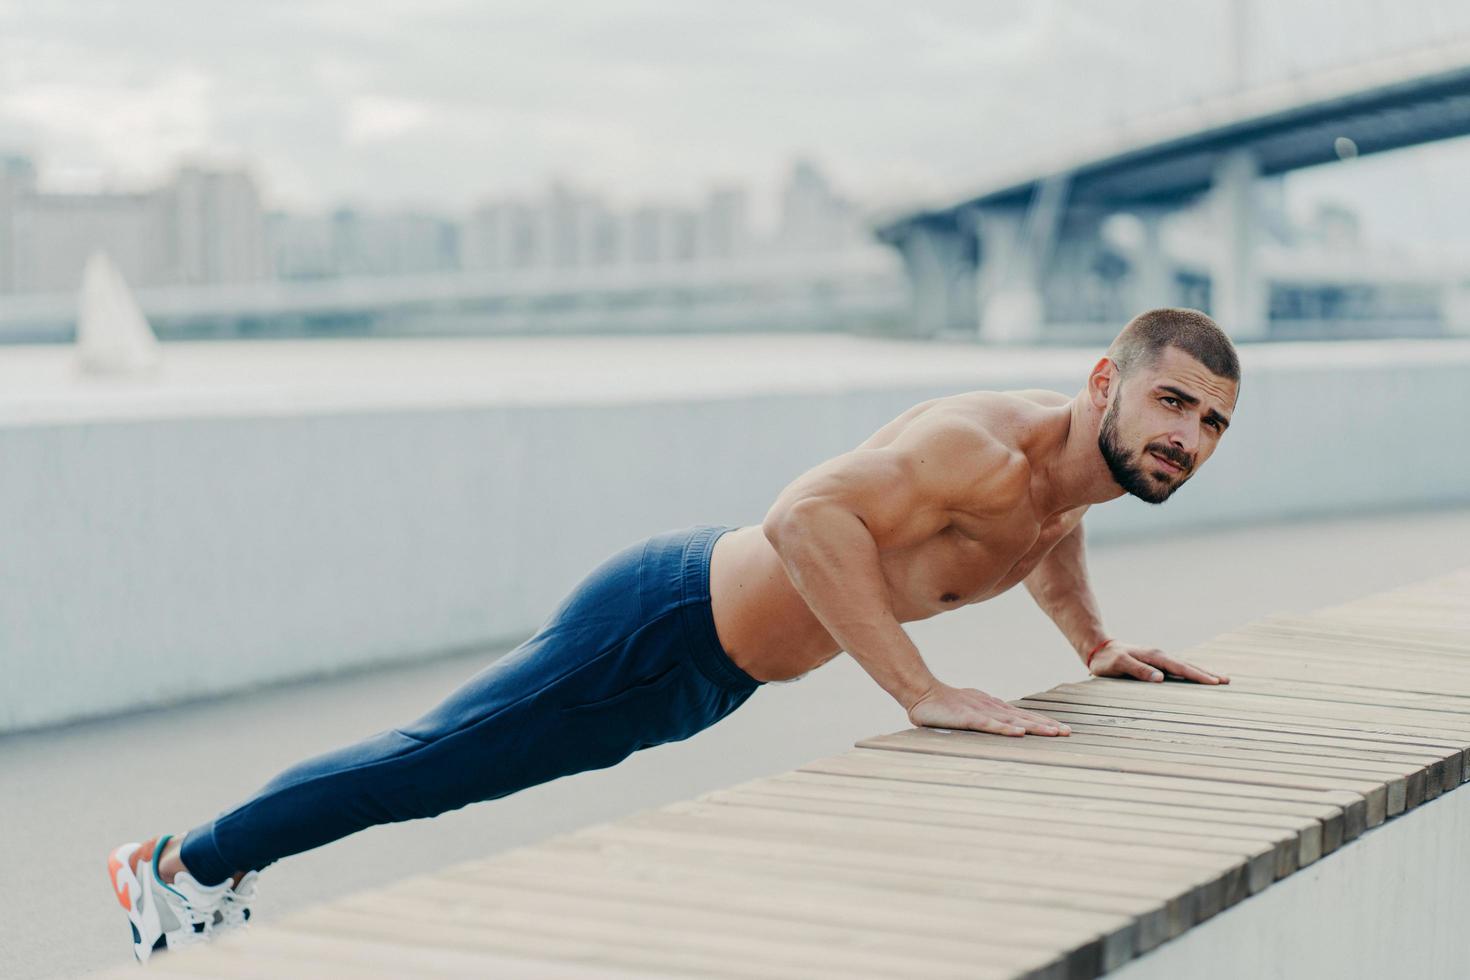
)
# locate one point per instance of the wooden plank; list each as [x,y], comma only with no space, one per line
[1398,748]
[1184,898]
[1340,719]
[861,832]
[850,951]
[624,951]
[1341,820]
[711,901]
[1140,815]
[1361,653]
[1405,783]
[1262,681]
[1434,770]
[1047,752]
[267,953]
[1142,806]
[1216,881]
[1426,627]
[1411,720]
[1267,859]
[1299,668]
[657,857]
[1301,739]
[1144,716]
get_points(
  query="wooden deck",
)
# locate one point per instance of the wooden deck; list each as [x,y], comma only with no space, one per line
[940,853]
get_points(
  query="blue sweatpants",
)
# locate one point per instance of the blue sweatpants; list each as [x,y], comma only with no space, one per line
[629,659]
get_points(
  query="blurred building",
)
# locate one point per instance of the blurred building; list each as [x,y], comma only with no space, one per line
[568,229]
[500,236]
[813,216]
[354,242]
[204,226]
[301,246]
[724,225]
[214,227]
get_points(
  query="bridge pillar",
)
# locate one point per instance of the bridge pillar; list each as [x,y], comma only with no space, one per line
[1238,295]
[1153,276]
[1016,246]
[1007,289]
[940,260]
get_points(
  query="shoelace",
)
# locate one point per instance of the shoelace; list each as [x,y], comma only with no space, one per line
[234,908]
[199,923]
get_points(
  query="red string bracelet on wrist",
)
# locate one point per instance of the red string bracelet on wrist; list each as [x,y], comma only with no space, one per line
[1088,661]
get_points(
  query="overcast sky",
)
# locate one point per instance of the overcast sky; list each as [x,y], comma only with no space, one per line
[443,102]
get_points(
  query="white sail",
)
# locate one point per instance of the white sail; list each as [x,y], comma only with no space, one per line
[113,337]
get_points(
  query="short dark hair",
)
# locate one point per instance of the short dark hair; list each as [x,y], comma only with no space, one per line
[1140,343]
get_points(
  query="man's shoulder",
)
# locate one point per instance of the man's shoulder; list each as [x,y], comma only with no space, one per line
[1007,418]
[976,448]
[1041,396]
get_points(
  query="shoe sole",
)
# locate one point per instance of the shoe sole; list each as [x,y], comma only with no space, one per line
[128,890]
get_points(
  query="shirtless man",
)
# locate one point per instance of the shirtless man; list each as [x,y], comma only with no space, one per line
[953,502]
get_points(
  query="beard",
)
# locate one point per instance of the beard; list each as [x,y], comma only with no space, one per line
[1128,473]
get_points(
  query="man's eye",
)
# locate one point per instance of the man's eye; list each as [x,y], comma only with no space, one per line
[1169,398]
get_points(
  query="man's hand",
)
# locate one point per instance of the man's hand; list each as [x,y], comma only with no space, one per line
[943,706]
[1146,664]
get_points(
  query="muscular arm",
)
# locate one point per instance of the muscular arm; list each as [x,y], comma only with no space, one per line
[1060,587]
[829,526]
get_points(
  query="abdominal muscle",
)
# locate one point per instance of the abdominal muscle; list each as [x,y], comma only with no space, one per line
[763,623]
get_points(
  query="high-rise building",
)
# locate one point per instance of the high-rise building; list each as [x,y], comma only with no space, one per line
[217,232]
[661,234]
[813,216]
[499,236]
[724,231]
[300,246]
[202,227]
[17,182]
[54,234]
[405,243]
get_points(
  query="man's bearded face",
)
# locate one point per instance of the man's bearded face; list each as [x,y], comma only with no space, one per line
[1138,472]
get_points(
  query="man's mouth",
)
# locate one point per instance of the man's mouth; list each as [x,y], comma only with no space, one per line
[1172,466]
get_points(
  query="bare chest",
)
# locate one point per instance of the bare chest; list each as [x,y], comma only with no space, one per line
[969,562]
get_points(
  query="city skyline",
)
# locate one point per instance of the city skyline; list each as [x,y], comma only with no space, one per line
[210,226]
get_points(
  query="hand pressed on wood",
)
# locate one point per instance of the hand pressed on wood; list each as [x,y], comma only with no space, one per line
[1118,659]
[943,706]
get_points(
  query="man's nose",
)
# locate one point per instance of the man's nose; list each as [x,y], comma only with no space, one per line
[1185,440]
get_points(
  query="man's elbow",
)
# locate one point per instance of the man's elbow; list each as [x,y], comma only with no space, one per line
[778,524]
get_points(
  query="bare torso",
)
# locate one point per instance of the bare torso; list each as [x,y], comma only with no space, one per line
[771,633]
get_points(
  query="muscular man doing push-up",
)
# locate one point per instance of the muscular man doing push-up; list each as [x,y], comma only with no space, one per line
[952,503]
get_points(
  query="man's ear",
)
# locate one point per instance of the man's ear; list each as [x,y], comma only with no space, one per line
[1101,381]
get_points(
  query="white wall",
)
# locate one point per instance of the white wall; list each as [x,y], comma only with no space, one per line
[184,550]
[1387,905]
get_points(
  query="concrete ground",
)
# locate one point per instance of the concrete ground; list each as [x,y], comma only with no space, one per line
[68,794]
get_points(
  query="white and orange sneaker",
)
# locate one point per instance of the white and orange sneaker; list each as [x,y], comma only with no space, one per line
[165,915]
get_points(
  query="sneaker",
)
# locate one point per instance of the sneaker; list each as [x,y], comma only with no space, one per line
[164,915]
[234,910]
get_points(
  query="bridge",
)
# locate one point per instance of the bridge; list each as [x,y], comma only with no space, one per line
[992,256]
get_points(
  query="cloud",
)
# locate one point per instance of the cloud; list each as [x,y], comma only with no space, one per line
[450,101]
[132,131]
[377,119]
